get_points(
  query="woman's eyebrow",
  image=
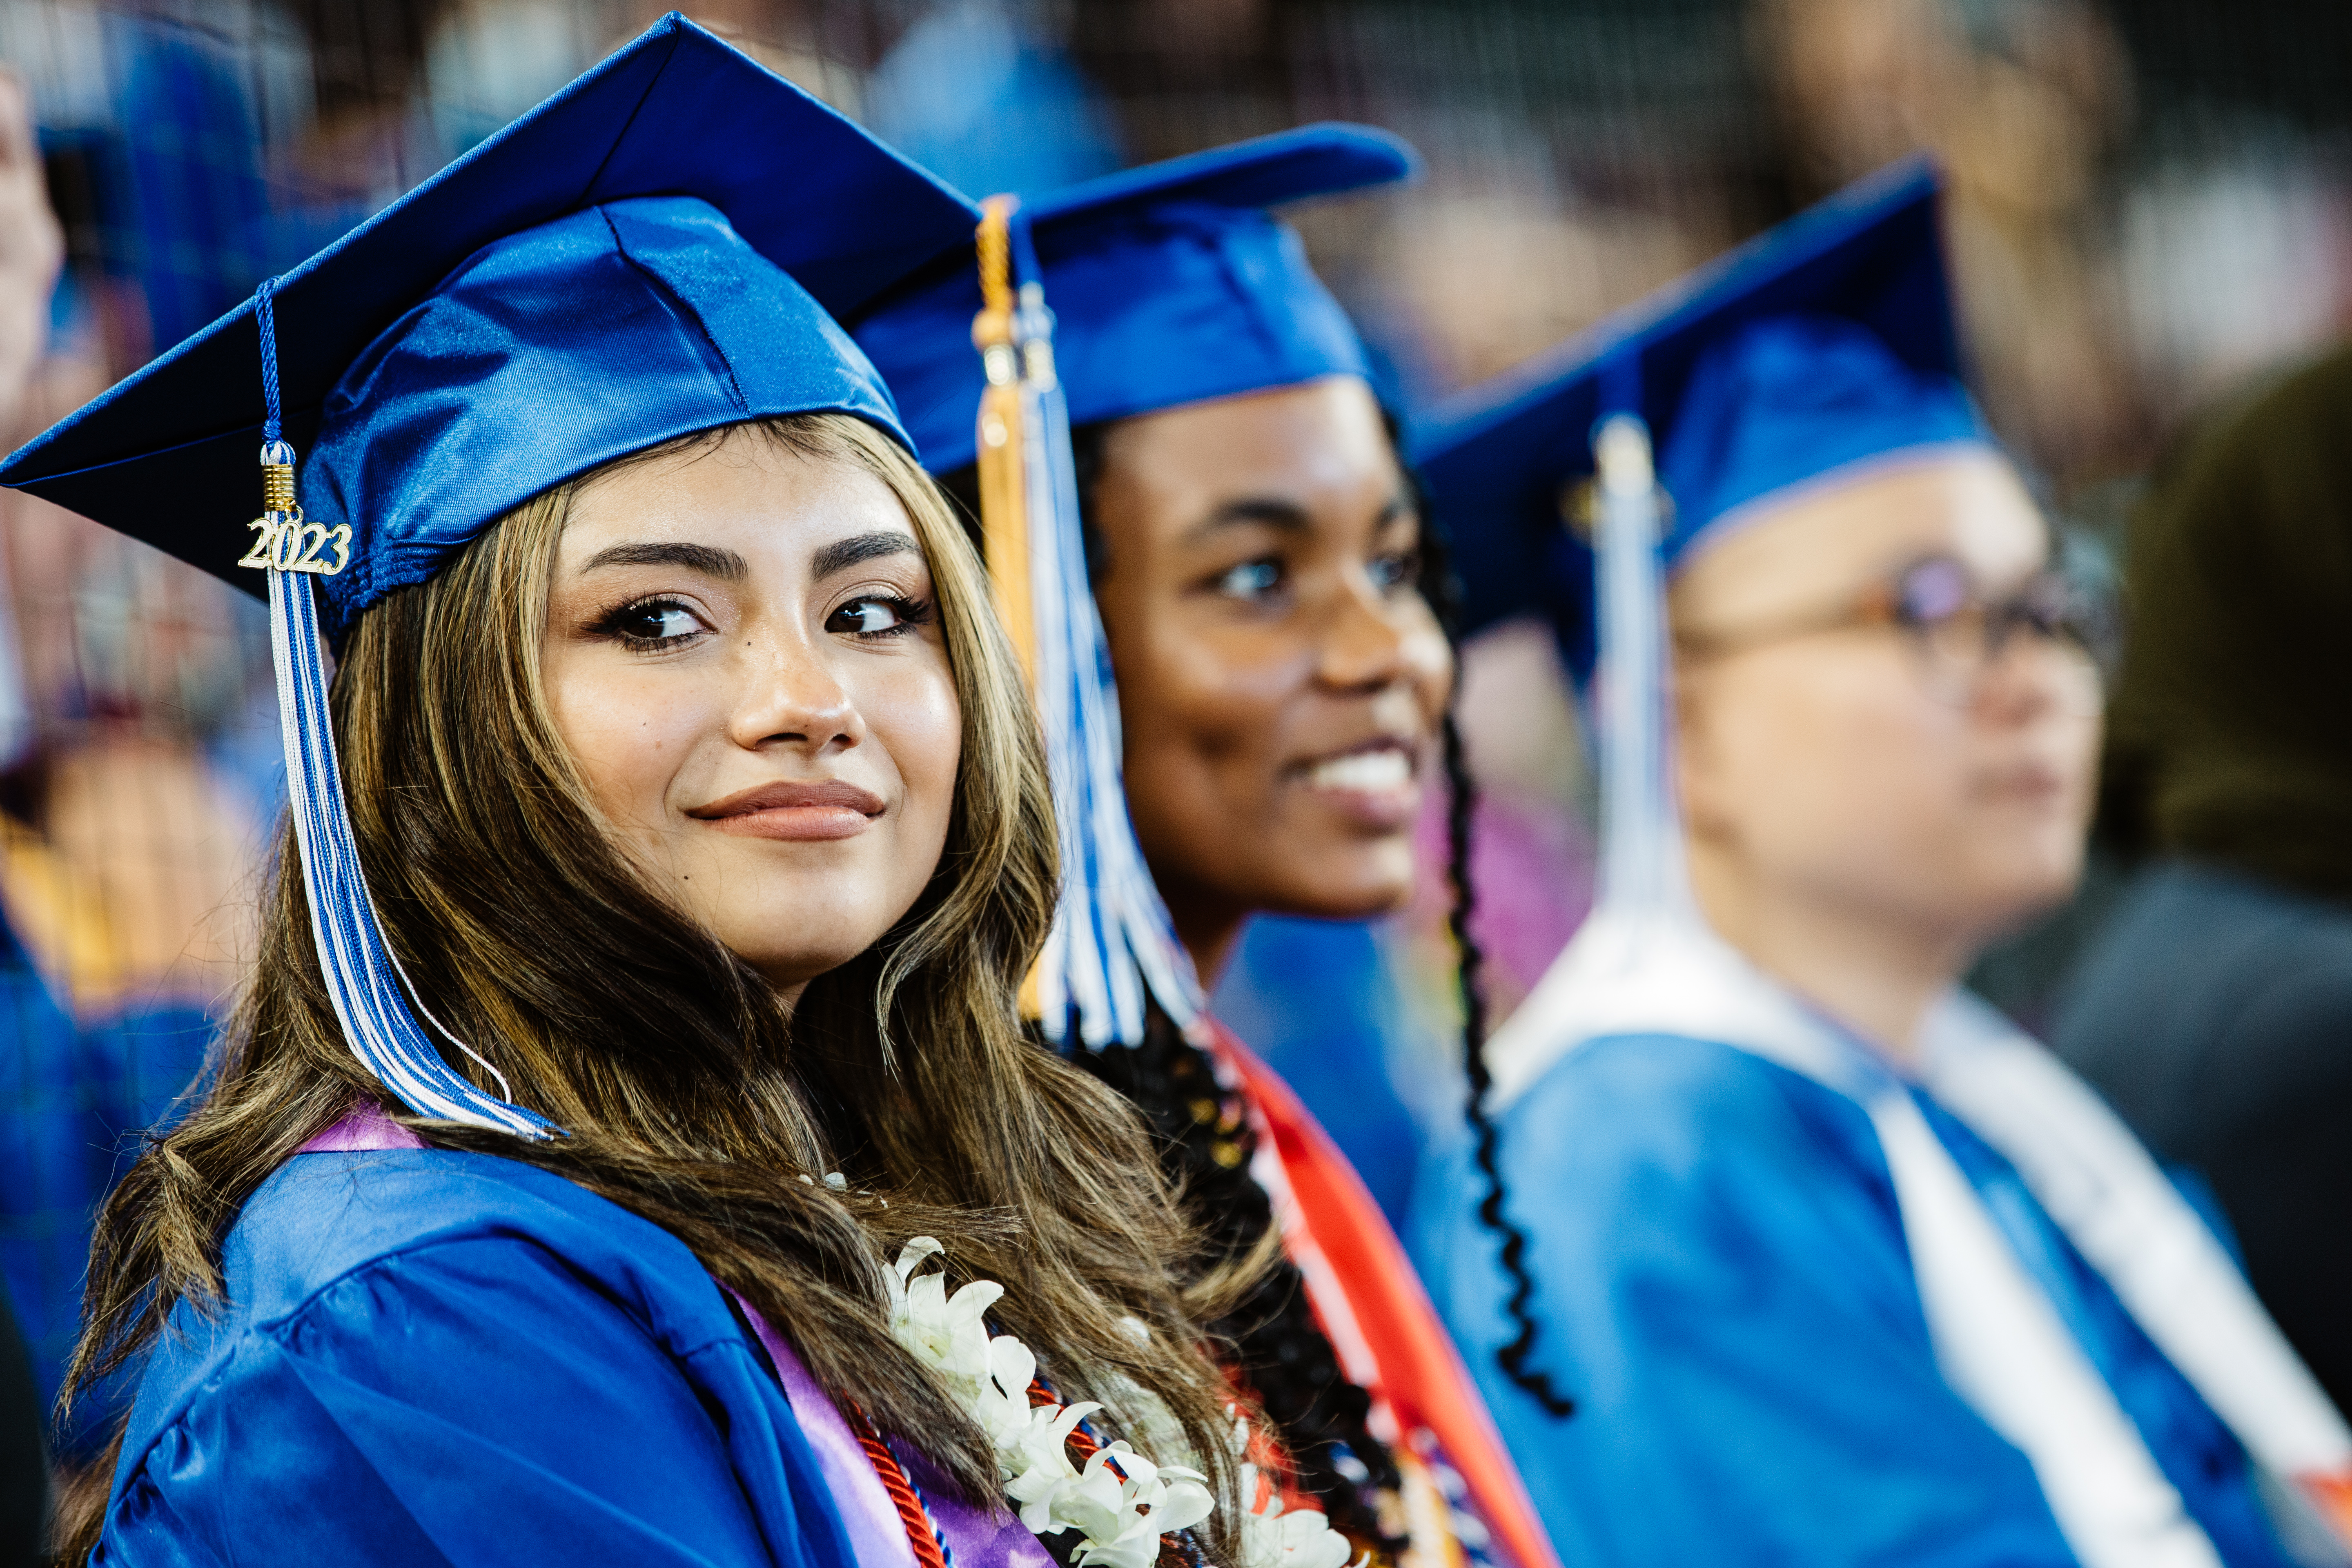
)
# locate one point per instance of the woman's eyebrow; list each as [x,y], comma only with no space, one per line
[844,553]
[1401,507]
[709,560]
[1261,511]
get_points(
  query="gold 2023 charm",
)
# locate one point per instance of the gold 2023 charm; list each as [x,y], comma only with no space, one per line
[283,542]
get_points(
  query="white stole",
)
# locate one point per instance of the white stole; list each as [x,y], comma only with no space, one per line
[1999,1339]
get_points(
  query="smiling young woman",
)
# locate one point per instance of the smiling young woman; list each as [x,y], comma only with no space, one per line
[1240,567]
[637,975]
[743,651]
[1283,674]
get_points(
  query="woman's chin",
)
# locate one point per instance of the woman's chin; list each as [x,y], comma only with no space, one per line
[789,971]
[811,942]
[1372,881]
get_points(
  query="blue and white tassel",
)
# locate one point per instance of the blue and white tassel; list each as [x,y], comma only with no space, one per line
[363,977]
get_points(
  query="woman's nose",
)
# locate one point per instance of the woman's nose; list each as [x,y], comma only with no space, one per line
[1362,646]
[794,698]
[2027,676]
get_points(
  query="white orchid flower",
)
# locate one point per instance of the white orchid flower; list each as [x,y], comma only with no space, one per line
[1276,1537]
[1039,1465]
[1123,1516]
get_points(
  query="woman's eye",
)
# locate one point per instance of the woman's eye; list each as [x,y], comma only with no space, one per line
[1395,570]
[875,616]
[654,623]
[1250,580]
[1933,591]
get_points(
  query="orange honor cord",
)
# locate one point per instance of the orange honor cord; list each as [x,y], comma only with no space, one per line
[1004,434]
[2331,1495]
[931,1551]
[1420,1374]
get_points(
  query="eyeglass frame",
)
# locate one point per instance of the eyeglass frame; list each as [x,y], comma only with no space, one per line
[2079,623]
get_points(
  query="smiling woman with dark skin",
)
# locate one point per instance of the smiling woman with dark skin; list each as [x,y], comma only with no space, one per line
[1269,598]
[1281,674]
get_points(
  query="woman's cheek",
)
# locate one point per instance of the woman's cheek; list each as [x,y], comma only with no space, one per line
[916,716]
[1433,656]
[629,734]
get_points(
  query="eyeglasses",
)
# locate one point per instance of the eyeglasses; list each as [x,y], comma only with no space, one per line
[1959,636]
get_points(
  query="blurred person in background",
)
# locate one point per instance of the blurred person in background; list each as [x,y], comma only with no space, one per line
[1230,502]
[2215,1011]
[1804,1255]
[32,246]
[31,250]
[119,844]
[2023,104]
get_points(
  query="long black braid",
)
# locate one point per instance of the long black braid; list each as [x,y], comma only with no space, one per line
[1513,1358]
[1443,592]
[1271,1340]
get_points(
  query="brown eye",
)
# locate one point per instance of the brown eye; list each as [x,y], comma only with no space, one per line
[877,615]
[652,624]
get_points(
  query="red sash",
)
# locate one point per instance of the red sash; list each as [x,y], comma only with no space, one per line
[1421,1377]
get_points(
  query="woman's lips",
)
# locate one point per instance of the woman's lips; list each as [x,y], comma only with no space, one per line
[2023,783]
[1374,783]
[832,809]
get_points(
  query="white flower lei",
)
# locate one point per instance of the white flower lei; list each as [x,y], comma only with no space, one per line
[1120,1514]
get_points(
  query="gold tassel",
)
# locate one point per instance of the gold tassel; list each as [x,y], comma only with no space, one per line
[1004,478]
[1004,501]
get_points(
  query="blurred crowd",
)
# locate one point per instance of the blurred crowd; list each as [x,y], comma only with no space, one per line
[2148,223]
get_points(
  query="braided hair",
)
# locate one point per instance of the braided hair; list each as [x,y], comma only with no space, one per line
[1271,1342]
[1444,591]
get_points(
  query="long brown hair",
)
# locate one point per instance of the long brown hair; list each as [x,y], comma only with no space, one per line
[690,1095]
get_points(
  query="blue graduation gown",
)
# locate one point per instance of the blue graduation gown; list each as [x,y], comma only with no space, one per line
[73,1097]
[1724,1287]
[434,1358]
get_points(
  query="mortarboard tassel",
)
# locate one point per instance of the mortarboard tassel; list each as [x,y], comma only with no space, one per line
[1112,941]
[1003,505]
[363,977]
[1642,871]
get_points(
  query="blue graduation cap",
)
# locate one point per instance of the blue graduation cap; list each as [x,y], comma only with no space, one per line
[1169,284]
[1823,347]
[658,248]
[661,248]
[1825,342]
[1166,285]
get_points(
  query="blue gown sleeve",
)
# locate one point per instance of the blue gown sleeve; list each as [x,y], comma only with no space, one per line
[469,1403]
[1723,1287]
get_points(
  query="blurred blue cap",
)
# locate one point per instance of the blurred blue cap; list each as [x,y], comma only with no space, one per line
[661,248]
[1169,284]
[1823,346]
